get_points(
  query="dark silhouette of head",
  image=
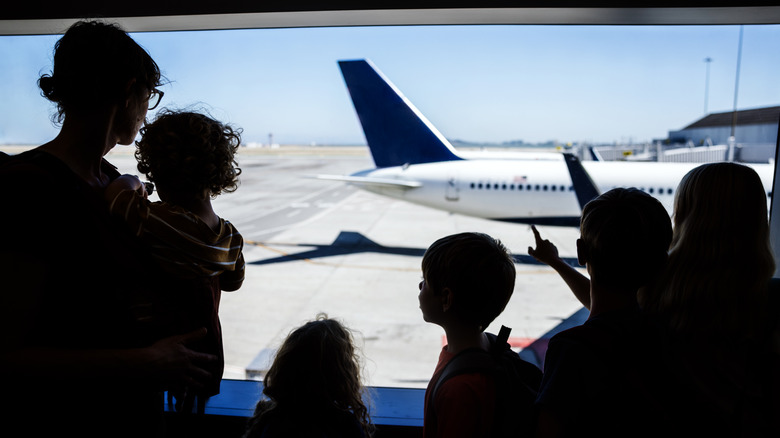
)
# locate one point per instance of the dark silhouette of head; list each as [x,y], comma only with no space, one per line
[189,153]
[97,64]
[316,372]
[720,260]
[479,271]
[625,234]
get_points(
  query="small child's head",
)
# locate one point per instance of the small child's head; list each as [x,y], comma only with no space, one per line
[316,368]
[625,236]
[189,154]
[477,270]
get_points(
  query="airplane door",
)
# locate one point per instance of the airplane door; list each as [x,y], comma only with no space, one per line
[452,192]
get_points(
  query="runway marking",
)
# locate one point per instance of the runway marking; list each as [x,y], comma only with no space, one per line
[299,202]
[312,218]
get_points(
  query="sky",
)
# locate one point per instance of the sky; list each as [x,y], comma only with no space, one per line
[478,83]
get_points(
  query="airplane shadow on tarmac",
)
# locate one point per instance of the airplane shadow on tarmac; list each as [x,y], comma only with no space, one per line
[351,242]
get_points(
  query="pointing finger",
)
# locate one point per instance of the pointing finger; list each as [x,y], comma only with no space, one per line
[537,236]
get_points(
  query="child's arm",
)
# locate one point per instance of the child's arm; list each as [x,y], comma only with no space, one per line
[127,199]
[547,253]
[230,281]
[122,183]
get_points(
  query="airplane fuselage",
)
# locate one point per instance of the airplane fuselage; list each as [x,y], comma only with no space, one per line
[527,191]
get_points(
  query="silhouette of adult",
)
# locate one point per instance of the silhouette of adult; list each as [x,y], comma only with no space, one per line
[715,305]
[69,355]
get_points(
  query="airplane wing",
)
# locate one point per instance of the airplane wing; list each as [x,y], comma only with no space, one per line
[372,181]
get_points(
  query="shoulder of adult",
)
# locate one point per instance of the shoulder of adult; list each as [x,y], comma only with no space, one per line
[774,290]
[32,175]
[32,156]
[111,170]
[773,298]
[36,163]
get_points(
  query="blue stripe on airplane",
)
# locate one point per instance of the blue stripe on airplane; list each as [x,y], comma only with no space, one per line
[558,221]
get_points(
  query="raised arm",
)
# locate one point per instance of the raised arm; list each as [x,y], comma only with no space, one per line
[547,253]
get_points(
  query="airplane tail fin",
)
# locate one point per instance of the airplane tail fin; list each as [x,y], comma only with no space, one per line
[396,132]
[584,187]
[594,154]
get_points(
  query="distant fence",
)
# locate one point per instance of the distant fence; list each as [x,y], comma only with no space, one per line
[701,154]
[748,153]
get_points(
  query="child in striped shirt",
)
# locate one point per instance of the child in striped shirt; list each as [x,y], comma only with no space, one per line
[191,159]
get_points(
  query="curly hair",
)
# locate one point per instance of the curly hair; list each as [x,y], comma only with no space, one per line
[189,153]
[316,373]
[93,63]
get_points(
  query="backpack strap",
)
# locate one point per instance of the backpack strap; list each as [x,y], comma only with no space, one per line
[501,342]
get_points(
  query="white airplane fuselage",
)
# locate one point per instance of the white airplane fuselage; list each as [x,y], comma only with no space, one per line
[521,190]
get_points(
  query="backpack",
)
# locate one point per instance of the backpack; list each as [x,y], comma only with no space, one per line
[517,383]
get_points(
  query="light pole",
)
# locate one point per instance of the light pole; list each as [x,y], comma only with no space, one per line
[736,83]
[707,60]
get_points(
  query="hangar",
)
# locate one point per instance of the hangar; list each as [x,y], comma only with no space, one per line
[754,132]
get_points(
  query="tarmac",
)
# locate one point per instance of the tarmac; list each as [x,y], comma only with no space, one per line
[314,246]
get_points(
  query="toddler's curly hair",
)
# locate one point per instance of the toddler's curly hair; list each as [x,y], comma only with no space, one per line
[189,153]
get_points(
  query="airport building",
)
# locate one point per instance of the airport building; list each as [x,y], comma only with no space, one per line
[748,136]
[754,132]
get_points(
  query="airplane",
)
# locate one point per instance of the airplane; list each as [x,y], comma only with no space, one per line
[416,163]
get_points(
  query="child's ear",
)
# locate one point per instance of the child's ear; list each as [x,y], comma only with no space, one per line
[446,299]
[582,252]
